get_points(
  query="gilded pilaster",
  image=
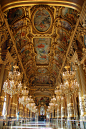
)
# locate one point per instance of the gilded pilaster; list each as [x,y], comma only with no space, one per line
[20,110]
[83,83]
[1,102]
[62,107]
[25,110]
[13,106]
[30,115]
[3,77]
[70,109]
[27,113]
[81,95]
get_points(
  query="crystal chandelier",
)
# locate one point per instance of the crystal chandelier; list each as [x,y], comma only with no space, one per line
[13,83]
[52,104]
[31,105]
[70,85]
[49,109]
[15,75]
[24,99]
[58,95]
[68,75]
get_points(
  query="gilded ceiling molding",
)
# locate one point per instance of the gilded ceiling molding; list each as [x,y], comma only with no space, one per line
[12,4]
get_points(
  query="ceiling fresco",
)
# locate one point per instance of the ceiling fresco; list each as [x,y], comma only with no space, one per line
[21,38]
[42,70]
[42,36]
[42,100]
[42,20]
[18,24]
[64,24]
[15,14]
[69,14]
[43,79]
[42,47]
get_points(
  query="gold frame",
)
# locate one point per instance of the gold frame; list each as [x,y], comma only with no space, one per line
[51,16]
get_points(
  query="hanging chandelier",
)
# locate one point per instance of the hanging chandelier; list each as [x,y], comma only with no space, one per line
[31,105]
[68,75]
[15,74]
[58,95]
[70,85]
[13,83]
[24,99]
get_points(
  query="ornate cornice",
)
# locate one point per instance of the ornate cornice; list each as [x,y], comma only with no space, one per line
[77,4]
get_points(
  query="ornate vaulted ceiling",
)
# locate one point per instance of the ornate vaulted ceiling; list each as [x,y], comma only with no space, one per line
[42,36]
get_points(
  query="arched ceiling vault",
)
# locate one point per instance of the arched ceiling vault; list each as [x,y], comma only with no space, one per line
[42,36]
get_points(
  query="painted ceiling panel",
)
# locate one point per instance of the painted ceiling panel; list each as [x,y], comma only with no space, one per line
[42,47]
[19,24]
[63,23]
[15,14]
[43,80]
[42,20]
[69,14]
[39,100]
[42,70]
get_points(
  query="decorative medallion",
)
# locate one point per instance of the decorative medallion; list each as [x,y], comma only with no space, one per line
[42,19]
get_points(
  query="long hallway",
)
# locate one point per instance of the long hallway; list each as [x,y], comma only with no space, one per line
[42,64]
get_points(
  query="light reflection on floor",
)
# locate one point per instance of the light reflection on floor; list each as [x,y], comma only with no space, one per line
[32,125]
